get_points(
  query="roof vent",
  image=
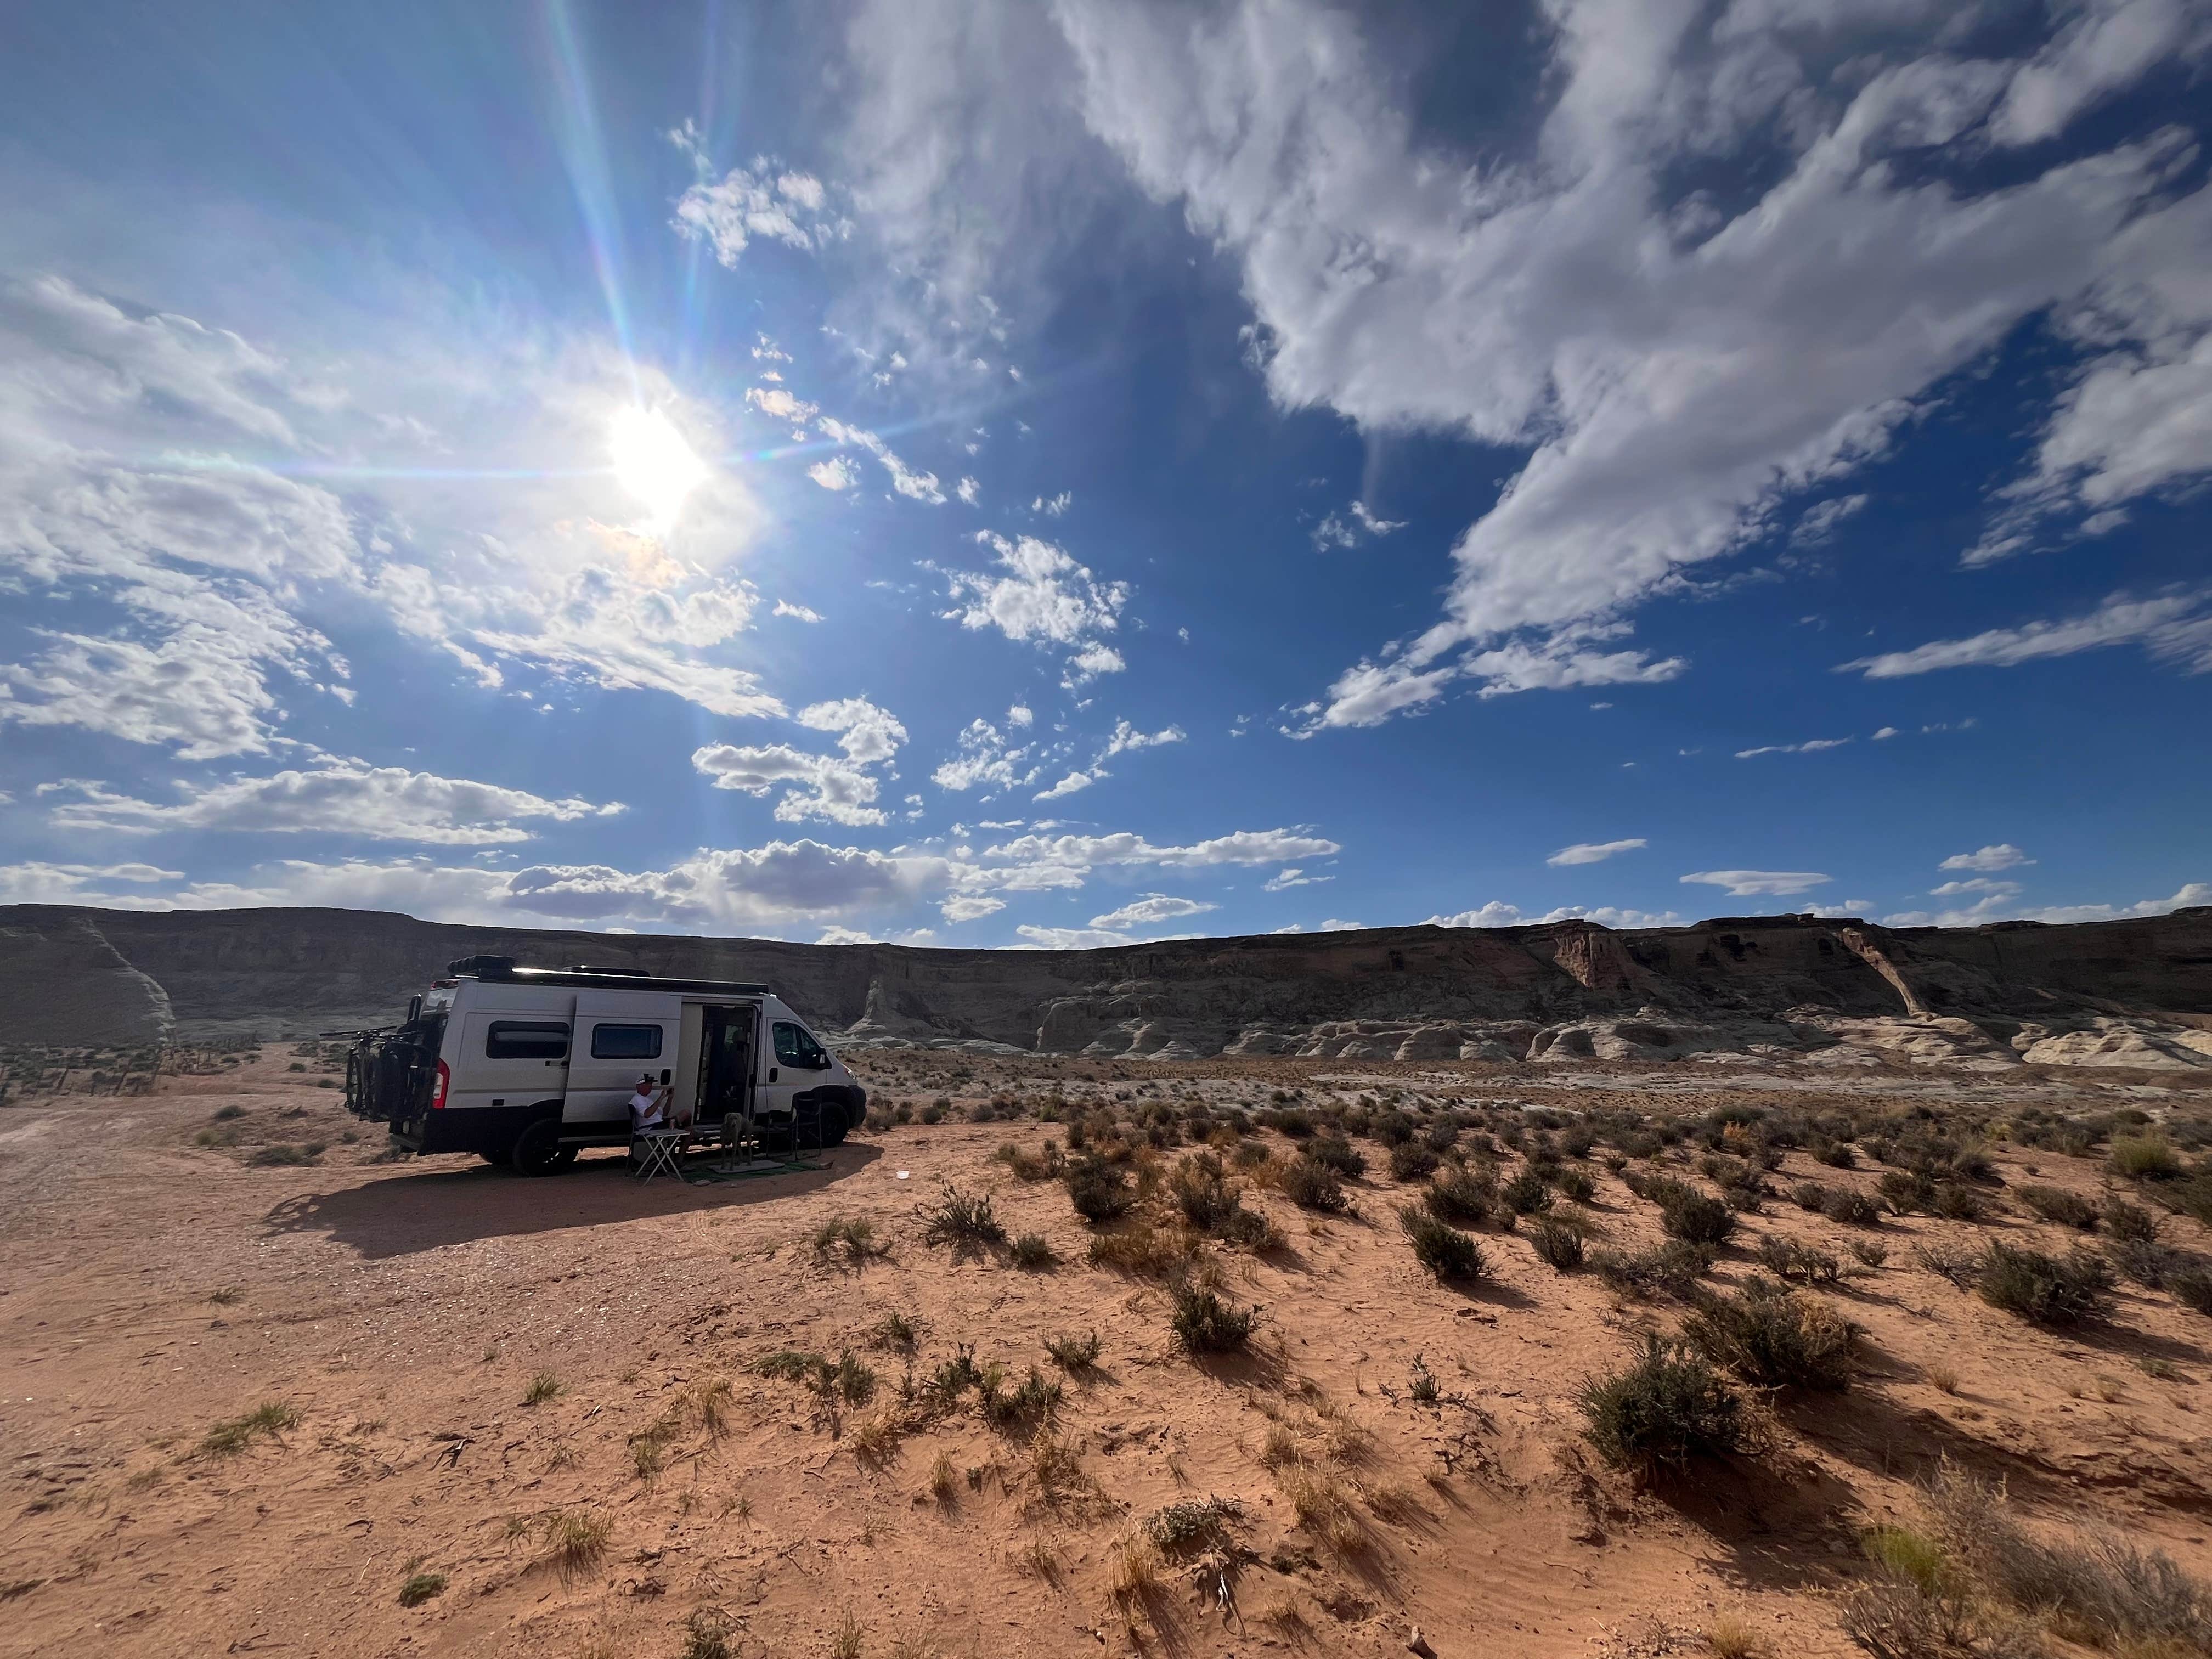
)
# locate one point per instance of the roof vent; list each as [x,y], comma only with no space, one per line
[481,967]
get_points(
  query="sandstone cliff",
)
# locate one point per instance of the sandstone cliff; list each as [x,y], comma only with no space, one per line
[2136,993]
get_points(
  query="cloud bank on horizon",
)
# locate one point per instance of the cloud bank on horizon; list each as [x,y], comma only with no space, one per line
[606,476]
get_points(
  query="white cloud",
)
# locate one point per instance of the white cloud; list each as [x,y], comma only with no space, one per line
[837,934]
[1355,525]
[969,491]
[916,486]
[2174,626]
[1595,852]
[747,204]
[1337,925]
[1811,746]
[1068,786]
[1820,521]
[1072,939]
[338,797]
[1679,368]
[1497,913]
[2003,907]
[2106,46]
[984,758]
[1043,596]
[2002,855]
[779,403]
[1127,738]
[1151,910]
[82,884]
[1750,884]
[1053,507]
[971,907]
[798,612]
[1885,734]
[835,789]
[1974,885]
[838,472]
[1285,880]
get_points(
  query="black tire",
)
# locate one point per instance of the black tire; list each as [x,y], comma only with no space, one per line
[538,1152]
[834,1124]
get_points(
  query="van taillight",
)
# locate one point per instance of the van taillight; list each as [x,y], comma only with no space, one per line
[438,1095]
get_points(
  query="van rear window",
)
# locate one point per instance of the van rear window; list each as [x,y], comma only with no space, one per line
[625,1042]
[522,1039]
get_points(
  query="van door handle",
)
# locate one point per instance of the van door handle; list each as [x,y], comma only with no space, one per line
[771,1074]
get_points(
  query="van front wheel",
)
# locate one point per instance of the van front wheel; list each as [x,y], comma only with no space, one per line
[538,1152]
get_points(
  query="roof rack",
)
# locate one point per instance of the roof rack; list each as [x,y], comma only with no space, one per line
[503,969]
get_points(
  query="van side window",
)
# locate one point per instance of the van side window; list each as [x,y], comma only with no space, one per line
[526,1039]
[795,1049]
[625,1042]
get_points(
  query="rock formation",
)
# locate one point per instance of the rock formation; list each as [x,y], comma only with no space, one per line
[2134,994]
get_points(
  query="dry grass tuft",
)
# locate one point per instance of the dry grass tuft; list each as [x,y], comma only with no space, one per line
[234,1434]
[1733,1636]
[577,1539]
[944,1480]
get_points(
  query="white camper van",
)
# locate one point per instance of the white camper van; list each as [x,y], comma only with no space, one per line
[529,1065]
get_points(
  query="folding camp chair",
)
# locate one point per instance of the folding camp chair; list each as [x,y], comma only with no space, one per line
[660,1151]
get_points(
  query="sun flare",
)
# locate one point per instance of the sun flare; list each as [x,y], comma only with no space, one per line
[654,462]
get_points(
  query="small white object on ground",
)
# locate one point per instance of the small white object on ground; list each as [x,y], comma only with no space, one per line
[902,1174]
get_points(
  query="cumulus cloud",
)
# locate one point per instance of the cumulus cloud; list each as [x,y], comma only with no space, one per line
[1752,883]
[797,612]
[1595,852]
[1352,526]
[983,756]
[836,788]
[1039,595]
[971,907]
[1071,939]
[838,472]
[2000,855]
[1679,367]
[778,403]
[1497,913]
[38,883]
[338,796]
[747,204]
[1999,905]
[1151,910]
[2173,627]
[1283,880]
[1068,786]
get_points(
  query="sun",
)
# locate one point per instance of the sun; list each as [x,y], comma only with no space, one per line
[653,463]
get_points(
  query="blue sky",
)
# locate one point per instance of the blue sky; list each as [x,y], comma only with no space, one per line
[1001,474]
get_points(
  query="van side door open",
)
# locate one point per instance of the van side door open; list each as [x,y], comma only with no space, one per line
[726,1045]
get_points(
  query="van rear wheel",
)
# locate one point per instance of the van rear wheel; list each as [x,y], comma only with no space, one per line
[538,1152]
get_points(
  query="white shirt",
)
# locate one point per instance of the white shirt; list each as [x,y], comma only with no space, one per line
[645,1110]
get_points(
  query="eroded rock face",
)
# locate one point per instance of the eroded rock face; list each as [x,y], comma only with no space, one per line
[2134,994]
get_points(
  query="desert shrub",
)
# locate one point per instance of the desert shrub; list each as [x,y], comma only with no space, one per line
[1962,1267]
[2143,1158]
[2192,1286]
[233,1435]
[2103,1591]
[1311,1187]
[2147,1262]
[1073,1354]
[1034,1252]
[853,1240]
[1850,1206]
[1670,1270]
[1200,1187]
[1392,1127]
[2044,1289]
[420,1587]
[543,1387]
[1525,1194]
[1098,1190]
[963,1220]
[1697,1219]
[1411,1161]
[1561,1247]
[1667,1407]
[1143,1248]
[1460,1197]
[1774,1338]
[1443,1250]
[1955,1201]
[1869,1253]
[1787,1258]
[1204,1323]
[1032,1400]
[1043,1165]
[2056,1204]
[2129,1221]
[2192,1197]
[1576,1184]
[1908,1192]
[1835,1154]
[1809,1196]
[1336,1155]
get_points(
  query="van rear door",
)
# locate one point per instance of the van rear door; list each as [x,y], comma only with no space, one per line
[620,1036]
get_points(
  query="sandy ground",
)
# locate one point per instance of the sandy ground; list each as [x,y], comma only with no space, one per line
[151,1289]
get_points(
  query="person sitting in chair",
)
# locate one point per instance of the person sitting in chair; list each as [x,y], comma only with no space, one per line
[646,1105]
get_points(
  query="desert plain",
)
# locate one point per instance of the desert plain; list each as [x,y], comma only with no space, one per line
[266,1387]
